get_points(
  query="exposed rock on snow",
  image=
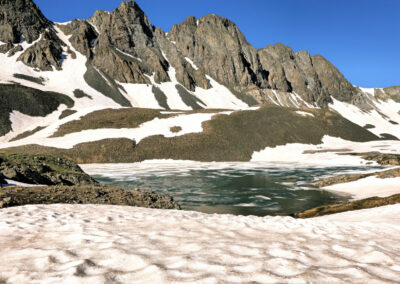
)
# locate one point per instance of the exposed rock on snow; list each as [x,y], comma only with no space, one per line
[371,202]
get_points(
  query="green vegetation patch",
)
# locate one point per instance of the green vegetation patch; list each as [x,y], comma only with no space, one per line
[189,99]
[369,126]
[176,129]
[111,118]
[106,86]
[28,101]
[66,113]
[37,80]
[160,97]
[232,137]
[81,94]
[388,136]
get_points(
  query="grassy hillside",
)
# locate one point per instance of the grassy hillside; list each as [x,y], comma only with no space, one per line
[27,101]
[225,138]
[110,118]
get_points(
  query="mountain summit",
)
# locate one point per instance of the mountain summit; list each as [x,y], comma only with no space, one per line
[124,46]
[21,19]
[118,59]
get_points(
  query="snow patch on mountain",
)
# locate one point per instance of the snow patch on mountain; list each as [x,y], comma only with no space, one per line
[191,63]
[21,122]
[383,117]
[129,55]
[332,151]
[304,113]
[140,95]
[191,123]
[219,96]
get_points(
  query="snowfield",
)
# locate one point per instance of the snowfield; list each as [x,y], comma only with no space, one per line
[113,244]
[332,151]
[385,117]
[368,187]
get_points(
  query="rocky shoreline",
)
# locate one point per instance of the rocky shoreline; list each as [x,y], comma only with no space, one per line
[392,173]
[57,180]
[348,206]
[20,196]
[41,170]
[61,181]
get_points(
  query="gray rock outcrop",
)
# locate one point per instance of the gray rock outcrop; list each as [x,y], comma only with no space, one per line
[44,54]
[21,19]
[40,169]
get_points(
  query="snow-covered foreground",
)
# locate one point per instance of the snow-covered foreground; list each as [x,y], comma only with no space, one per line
[112,244]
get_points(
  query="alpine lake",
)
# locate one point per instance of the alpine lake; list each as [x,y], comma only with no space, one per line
[258,189]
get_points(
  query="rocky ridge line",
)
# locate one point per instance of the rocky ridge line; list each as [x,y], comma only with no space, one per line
[140,53]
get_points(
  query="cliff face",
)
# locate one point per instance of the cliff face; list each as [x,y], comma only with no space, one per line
[217,45]
[21,18]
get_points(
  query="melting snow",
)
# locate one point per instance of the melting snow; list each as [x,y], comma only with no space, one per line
[370,91]
[191,63]
[368,187]
[93,243]
[140,95]
[129,55]
[329,152]
[219,96]
[303,113]
[390,108]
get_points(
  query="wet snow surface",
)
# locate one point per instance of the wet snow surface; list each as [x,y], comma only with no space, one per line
[112,244]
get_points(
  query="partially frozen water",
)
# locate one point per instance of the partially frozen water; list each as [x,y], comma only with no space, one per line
[235,188]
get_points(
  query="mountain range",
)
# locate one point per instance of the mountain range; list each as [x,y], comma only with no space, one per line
[114,88]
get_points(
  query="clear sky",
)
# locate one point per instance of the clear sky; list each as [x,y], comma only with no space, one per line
[360,37]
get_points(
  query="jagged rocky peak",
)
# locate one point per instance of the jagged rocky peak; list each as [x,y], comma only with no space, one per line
[120,44]
[217,45]
[125,46]
[21,19]
[389,93]
[131,26]
[44,54]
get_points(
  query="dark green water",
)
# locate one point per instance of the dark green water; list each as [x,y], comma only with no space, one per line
[259,190]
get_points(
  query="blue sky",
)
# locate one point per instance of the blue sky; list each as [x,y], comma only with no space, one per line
[360,37]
